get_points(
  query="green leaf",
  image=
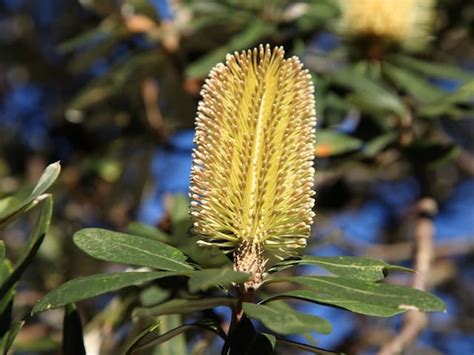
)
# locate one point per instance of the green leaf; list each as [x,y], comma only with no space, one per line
[90,286]
[176,345]
[359,296]
[2,251]
[348,266]
[7,341]
[448,105]
[369,94]
[431,69]
[73,342]
[154,295]
[6,302]
[146,231]
[202,280]
[253,32]
[305,347]
[151,336]
[33,245]
[330,142]
[254,344]
[48,177]
[379,143]
[176,306]
[129,249]
[413,84]
[288,322]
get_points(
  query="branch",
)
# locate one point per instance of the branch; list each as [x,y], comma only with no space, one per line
[415,321]
[150,94]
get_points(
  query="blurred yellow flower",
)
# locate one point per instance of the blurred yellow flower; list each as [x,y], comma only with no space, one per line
[407,22]
[252,174]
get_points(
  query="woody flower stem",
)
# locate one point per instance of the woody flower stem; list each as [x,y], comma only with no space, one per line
[249,258]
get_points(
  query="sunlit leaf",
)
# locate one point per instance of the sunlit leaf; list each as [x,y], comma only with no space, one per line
[90,286]
[370,298]
[347,266]
[48,177]
[129,249]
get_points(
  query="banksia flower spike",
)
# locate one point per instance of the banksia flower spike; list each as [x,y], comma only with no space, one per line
[252,174]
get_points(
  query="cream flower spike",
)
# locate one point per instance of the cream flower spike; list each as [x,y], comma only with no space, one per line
[252,174]
[408,22]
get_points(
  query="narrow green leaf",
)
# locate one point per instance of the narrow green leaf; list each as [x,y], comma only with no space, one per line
[364,89]
[90,286]
[33,245]
[412,83]
[376,145]
[129,249]
[48,177]
[449,104]
[330,142]
[288,322]
[202,280]
[369,298]
[176,345]
[73,340]
[432,69]
[150,336]
[9,338]
[348,266]
[2,251]
[305,347]
[6,302]
[154,295]
[176,306]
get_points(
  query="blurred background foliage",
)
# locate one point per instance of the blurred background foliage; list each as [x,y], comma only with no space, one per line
[110,88]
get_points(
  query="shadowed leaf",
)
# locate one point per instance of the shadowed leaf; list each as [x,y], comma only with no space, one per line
[286,322]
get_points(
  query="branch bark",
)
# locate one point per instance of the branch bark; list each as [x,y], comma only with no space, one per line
[416,321]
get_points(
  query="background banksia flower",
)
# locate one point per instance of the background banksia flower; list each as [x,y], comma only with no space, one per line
[407,22]
[252,174]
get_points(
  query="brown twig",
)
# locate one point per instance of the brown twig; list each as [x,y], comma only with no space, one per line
[150,94]
[401,251]
[415,321]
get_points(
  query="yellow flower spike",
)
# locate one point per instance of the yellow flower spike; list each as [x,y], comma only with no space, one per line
[252,174]
[407,22]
